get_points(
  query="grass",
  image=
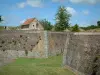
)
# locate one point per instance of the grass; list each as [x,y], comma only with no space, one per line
[36,66]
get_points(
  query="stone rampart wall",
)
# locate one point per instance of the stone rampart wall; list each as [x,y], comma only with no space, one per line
[82,53]
[15,44]
[28,43]
[56,42]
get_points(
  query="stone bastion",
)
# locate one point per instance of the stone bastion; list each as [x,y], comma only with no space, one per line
[31,44]
[82,53]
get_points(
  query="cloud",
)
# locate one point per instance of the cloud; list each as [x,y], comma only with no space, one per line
[21,5]
[22,21]
[35,3]
[55,0]
[32,3]
[85,1]
[79,1]
[86,12]
[58,0]
[71,10]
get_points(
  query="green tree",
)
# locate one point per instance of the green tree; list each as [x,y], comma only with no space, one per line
[46,24]
[62,19]
[75,28]
[1,19]
[1,27]
[98,23]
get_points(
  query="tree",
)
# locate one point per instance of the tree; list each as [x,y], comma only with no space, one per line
[1,27]
[62,19]
[1,19]
[75,28]
[46,24]
[98,23]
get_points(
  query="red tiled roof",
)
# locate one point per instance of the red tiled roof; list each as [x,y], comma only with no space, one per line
[28,21]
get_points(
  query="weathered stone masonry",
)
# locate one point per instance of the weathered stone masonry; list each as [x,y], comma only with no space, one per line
[15,44]
[81,50]
[82,53]
[27,43]
[56,42]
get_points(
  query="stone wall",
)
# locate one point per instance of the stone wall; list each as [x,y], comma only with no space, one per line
[28,43]
[15,44]
[56,42]
[82,53]
[81,50]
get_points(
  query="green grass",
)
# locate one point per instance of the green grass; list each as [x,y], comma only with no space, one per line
[36,66]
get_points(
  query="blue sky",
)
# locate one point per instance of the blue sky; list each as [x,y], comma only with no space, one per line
[15,12]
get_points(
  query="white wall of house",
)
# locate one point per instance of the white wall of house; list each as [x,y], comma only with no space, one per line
[34,25]
[40,26]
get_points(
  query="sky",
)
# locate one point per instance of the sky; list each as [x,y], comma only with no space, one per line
[15,12]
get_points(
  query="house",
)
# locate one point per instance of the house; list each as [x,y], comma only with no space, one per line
[31,24]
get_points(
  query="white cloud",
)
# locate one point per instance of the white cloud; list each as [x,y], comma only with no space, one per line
[79,1]
[33,3]
[86,12]
[55,0]
[71,10]
[60,0]
[85,1]
[21,5]
[22,21]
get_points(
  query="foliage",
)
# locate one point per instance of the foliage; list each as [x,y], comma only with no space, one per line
[46,24]
[62,19]
[1,19]
[9,27]
[90,27]
[75,28]
[98,23]
[38,66]
[1,27]
[13,28]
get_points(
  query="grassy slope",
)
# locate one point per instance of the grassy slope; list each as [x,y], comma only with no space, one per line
[31,66]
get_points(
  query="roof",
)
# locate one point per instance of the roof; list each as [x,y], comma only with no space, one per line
[28,21]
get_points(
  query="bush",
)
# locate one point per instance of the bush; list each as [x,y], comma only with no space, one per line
[75,28]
